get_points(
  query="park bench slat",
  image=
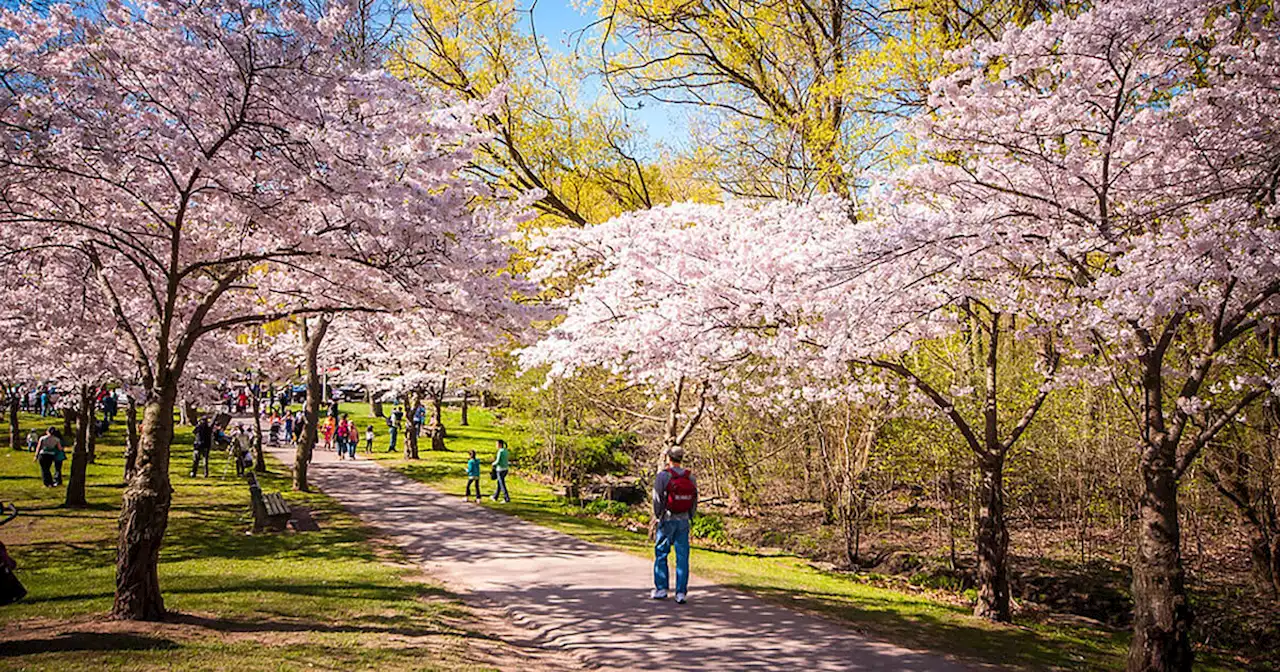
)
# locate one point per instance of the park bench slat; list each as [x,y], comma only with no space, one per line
[275,504]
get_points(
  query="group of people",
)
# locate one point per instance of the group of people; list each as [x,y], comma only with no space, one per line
[337,432]
[49,453]
[43,399]
[238,400]
[342,434]
[497,472]
[286,426]
[238,444]
[50,446]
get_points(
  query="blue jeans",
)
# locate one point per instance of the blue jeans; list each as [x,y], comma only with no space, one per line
[674,532]
[500,490]
[392,447]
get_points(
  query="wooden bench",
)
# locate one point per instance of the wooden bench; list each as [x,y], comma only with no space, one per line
[276,505]
[270,511]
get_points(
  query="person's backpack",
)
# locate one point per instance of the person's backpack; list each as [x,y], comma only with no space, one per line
[682,494]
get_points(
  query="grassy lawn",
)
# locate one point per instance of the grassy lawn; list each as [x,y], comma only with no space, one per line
[912,619]
[333,599]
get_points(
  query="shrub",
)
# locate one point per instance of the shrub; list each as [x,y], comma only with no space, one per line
[605,454]
[709,527]
[606,507]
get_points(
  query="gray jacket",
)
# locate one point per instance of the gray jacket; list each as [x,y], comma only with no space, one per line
[660,496]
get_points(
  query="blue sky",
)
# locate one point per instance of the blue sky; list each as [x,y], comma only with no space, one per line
[557,21]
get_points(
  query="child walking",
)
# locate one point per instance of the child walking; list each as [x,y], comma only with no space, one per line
[473,476]
[368,439]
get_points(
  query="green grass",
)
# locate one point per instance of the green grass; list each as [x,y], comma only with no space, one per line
[329,599]
[911,619]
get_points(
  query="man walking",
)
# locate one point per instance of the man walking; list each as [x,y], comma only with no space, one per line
[393,428]
[201,446]
[675,500]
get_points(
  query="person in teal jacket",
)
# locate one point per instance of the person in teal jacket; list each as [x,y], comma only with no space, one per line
[501,464]
[473,476]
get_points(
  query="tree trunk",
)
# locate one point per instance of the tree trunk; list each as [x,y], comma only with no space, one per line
[1261,563]
[411,431]
[68,424]
[830,489]
[993,542]
[190,415]
[437,437]
[1229,475]
[259,460]
[437,417]
[144,513]
[131,439]
[311,423]
[375,407]
[15,431]
[80,455]
[466,397]
[1162,616]
[91,437]
[1275,565]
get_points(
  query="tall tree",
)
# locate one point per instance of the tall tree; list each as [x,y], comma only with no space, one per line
[1132,150]
[551,134]
[215,166]
[791,97]
[805,287]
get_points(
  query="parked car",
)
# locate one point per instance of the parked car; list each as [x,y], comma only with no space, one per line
[348,393]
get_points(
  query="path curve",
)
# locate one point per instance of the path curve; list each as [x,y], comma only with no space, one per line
[590,600]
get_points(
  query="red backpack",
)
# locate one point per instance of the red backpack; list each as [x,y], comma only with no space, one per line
[682,494]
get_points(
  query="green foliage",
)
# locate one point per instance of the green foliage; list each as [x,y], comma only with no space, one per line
[709,527]
[604,454]
[938,581]
[607,507]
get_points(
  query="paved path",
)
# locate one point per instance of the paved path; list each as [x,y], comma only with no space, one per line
[591,600]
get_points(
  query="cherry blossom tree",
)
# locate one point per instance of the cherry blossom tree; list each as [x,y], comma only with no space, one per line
[888,293]
[783,298]
[1131,152]
[40,346]
[643,301]
[213,166]
[420,354]
[267,352]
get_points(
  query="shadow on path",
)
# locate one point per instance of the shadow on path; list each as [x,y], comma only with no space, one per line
[594,601]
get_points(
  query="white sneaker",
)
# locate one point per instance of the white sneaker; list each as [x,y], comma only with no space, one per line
[658,594]
[681,598]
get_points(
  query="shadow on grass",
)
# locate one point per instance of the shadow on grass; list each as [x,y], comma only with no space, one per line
[62,509]
[328,589]
[84,641]
[374,625]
